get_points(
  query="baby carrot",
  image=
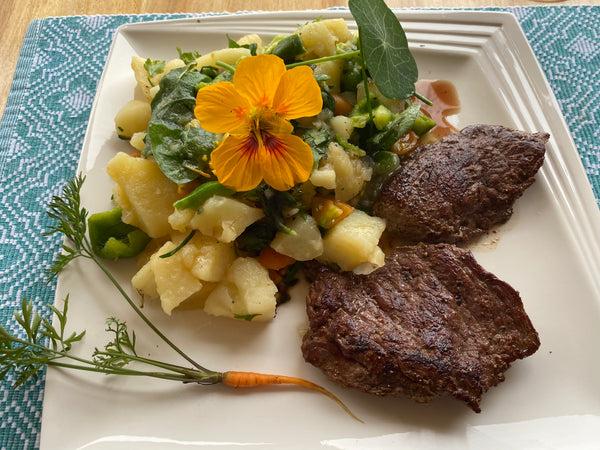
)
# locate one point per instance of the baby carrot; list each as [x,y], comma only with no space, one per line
[252,379]
[272,259]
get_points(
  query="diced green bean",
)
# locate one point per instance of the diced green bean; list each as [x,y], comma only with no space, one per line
[196,199]
[385,162]
[289,47]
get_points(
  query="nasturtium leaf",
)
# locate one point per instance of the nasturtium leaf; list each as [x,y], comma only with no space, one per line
[385,48]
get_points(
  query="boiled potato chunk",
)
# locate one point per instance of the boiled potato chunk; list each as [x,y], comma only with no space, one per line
[143,281]
[205,257]
[250,39]
[144,193]
[189,275]
[323,176]
[224,218]
[212,260]
[333,71]
[339,29]
[354,241]
[180,219]
[143,78]
[306,244]
[174,282]
[342,126]
[133,117]
[247,292]
[138,140]
[227,55]
[317,39]
[351,174]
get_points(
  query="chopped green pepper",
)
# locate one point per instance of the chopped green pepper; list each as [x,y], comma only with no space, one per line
[394,130]
[382,116]
[113,239]
[423,124]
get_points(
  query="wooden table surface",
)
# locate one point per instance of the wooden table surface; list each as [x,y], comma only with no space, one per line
[15,15]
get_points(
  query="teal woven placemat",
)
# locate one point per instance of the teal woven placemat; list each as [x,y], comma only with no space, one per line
[42,131]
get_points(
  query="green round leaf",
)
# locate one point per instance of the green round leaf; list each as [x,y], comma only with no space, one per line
[385,48]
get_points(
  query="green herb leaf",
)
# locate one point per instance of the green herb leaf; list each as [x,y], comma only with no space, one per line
[187,239]
[154,67]
[181,151]
[247,317]
[385,48]
[318,141]
[188,57]
[252,47]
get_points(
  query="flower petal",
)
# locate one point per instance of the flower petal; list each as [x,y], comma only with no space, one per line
[275,124]
[257,78]
[298,94]
[236,163]
[287,160]
[220,108]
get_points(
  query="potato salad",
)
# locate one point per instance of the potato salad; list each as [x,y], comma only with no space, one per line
[250,160]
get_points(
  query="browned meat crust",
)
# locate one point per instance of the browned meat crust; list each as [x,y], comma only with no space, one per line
[431,321]
[460,186]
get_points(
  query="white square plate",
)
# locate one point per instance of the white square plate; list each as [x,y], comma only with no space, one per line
[549,251]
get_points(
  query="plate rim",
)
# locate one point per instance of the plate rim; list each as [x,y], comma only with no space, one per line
[505,19]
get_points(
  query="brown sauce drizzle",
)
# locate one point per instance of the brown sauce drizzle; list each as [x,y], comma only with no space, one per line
[445,100]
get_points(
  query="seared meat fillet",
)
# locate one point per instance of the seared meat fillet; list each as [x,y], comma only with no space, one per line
[460,186]
[431,321]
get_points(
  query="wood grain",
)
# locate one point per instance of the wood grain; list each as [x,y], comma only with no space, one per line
[15,15]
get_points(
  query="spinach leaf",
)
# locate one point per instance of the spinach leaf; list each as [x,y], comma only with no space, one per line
[181,151]
[176,98]
[385,48]
[178,151]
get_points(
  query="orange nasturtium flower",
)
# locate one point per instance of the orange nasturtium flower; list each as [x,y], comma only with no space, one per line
[254,113]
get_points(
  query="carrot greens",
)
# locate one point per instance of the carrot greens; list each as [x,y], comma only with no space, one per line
[182,153]
[40,342]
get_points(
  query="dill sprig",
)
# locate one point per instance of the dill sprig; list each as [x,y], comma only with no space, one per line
[46,344]
[71,221]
